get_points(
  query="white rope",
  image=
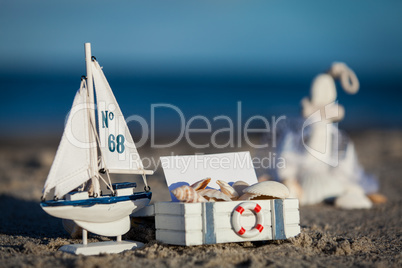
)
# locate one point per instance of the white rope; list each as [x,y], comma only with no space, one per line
[102,159]
[95,181]
[347,77]
[100,154]
[110,182]
[111,189]
[144,178]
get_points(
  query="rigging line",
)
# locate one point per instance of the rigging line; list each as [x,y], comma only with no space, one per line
[144,178]
[108,177]
[110,188]
[100,151]
[102,159]
[89,116]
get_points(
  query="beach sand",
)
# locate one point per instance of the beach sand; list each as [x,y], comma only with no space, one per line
[329,237]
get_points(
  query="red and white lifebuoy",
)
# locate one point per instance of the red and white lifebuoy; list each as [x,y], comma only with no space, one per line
[238,211]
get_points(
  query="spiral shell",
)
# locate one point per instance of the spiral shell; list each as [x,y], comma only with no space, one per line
[187,194]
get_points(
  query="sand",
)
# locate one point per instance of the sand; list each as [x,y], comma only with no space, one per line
[330,237]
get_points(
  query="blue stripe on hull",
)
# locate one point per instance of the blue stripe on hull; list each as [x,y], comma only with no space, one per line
[95,201]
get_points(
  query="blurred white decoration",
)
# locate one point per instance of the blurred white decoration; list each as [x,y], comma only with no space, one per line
[321,162]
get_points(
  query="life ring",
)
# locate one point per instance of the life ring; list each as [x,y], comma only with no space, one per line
[237,212]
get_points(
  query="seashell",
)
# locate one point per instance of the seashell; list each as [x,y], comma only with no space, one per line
[265,190]
[213,195]
[188,194]
[239,186]
[377,198]
[353,201]
[247,196]
[72,228]
[227,189]
[202,184]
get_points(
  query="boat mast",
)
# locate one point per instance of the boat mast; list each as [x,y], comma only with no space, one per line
[91,105]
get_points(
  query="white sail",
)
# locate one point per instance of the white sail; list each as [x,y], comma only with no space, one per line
[119,152]
[71,166]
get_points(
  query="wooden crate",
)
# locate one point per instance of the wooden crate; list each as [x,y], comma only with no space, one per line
[211,222]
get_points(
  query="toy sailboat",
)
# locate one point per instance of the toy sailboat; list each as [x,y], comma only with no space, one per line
[87,152]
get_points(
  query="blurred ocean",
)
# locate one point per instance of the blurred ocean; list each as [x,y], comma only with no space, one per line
[201,56]
[37,104]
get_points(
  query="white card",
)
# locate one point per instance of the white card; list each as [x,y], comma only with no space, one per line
[188,169]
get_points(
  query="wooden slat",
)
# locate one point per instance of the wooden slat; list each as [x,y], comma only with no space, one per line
[176,208]
[230,206]
[292,217]
[188,238]
[175,222]
[290,203]
[292,230]
[224,236]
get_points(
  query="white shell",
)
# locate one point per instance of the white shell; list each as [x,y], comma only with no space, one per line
[353,201]
[213,194]
[201,184]
[353,198]
[188,194]
[239,186]
[267,190]
[227,189]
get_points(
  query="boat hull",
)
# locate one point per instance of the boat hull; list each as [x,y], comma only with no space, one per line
[114,228]
[97,210]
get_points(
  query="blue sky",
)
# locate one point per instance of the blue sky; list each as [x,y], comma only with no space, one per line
[254,40]
[50,34]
